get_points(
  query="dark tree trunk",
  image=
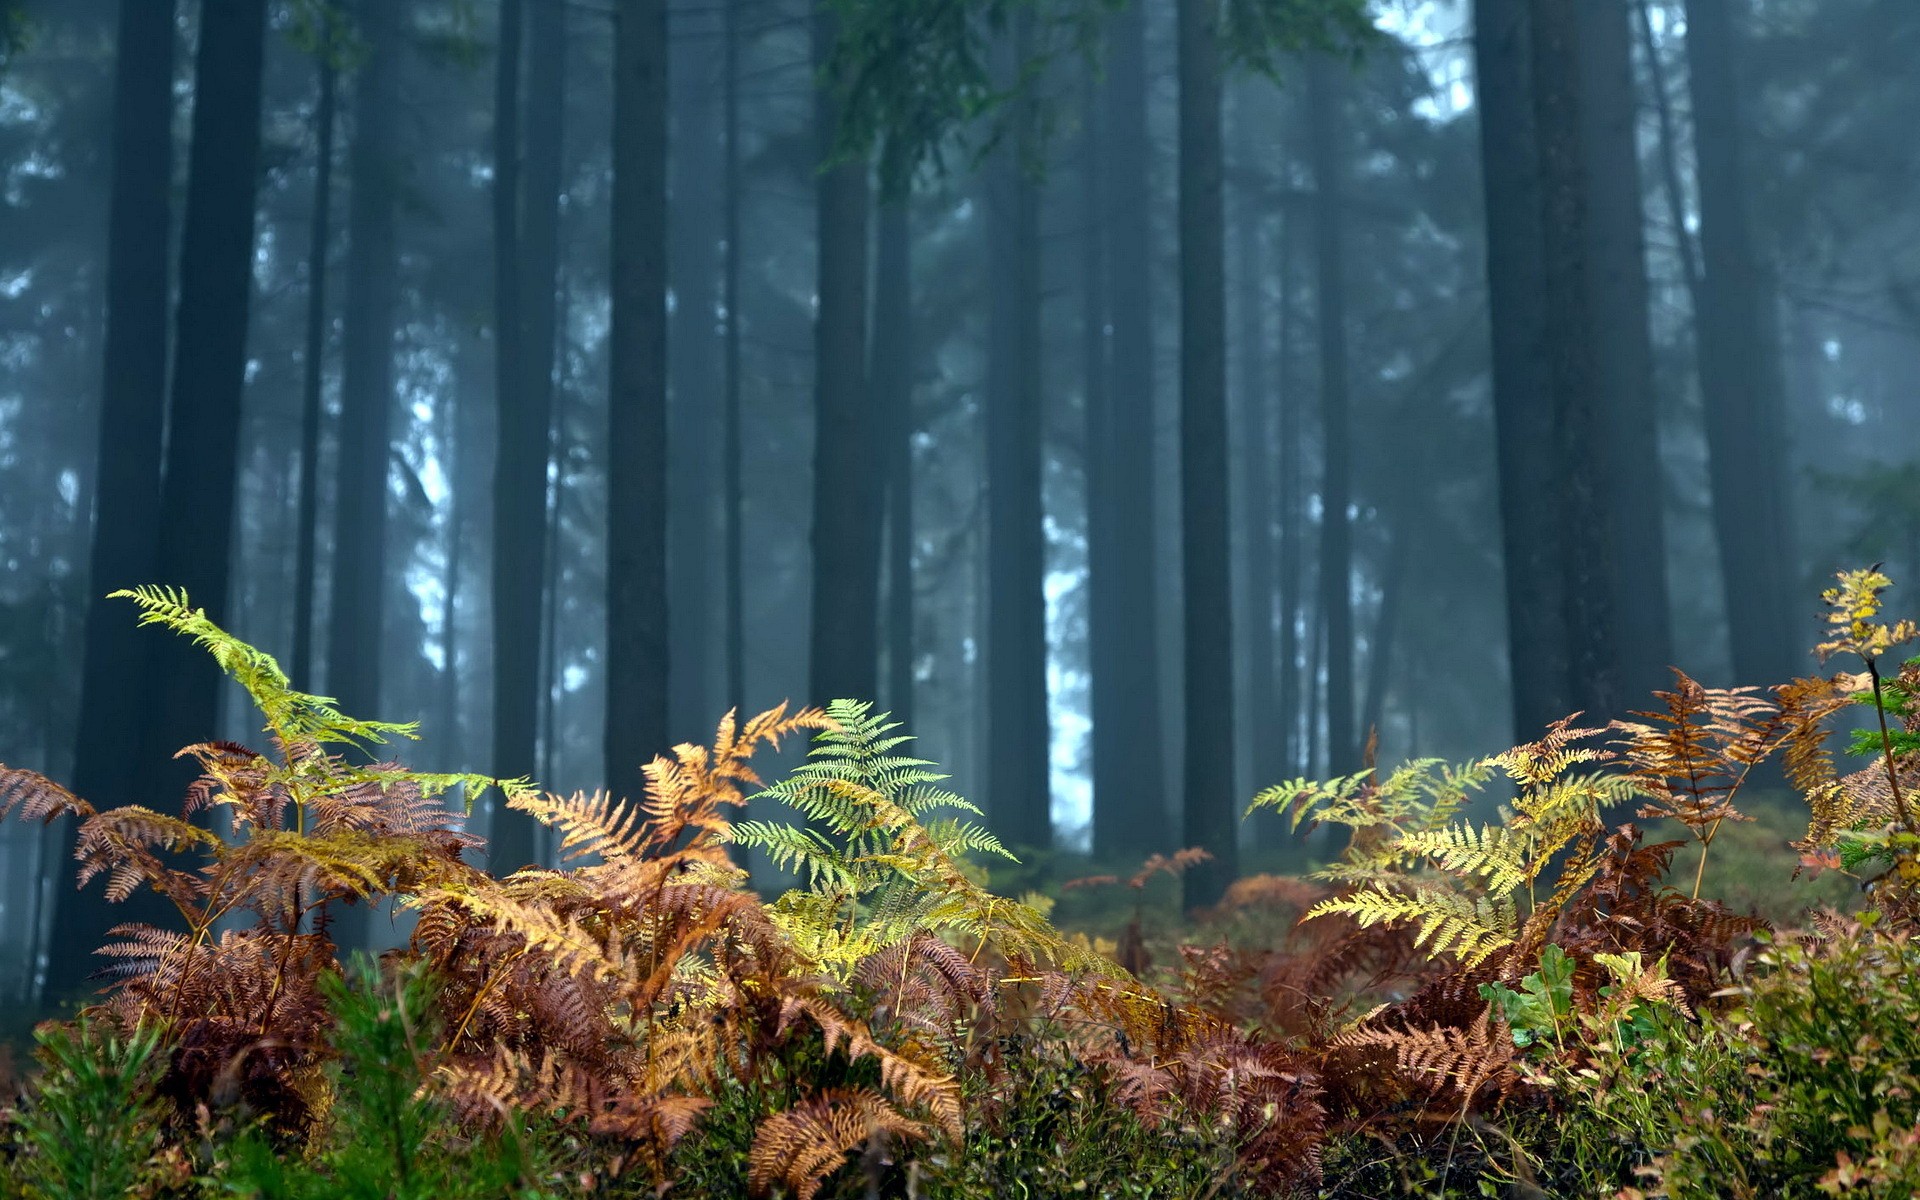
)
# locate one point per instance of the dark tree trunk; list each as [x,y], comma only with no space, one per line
[1017,720]
[1288,499]
[844,658]
[1523,419]
[1585,538]
[1623,344]
[526,402]
[1255,440]
[1673,192]
[1386,624]
[113,684]
[1740,383]
[313,366]
[637,500]
[354,639]
[209,374]
[893,393]
[732,472]
[694,358]
[1129,771]
[1209,810]
[1327,140]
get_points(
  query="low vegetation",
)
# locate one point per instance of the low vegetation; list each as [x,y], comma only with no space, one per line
[1501,986]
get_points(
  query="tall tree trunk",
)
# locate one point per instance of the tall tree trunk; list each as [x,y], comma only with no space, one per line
[893,392]
[113,682]
[1255,441]
[1288,500]
[1740,383]
[1386,624]
[694,359]
[844,656]
[1129,770]
[637,451]
[1623,343]
[1523,420]
[200,475]
[1017,719]
[1327,139]
[732,467]
[1209,811]
[313,362]
[526,406]
[1587,520]
[354,630]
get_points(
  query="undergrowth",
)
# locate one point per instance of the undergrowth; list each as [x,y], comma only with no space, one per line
[1549,1002]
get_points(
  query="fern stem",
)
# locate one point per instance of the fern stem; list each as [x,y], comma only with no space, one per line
[1886,750]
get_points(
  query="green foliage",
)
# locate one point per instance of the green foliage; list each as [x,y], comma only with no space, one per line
[877,861]
[91,1127]
[1543,1005]
[386,1134]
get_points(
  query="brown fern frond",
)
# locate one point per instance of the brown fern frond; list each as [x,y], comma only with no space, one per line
[1690,759]
[914,1083]
[121,842]
[1444,1058]
[36,798]
[800,1147]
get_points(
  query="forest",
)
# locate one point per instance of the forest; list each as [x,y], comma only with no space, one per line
[959,598]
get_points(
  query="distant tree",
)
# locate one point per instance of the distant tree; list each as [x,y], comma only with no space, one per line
[636,711]
[126,502]
[893,379]
[314,346]
[209,370]
[847,491]
[1018,727]
[370,320]
[1129,768]
[1740,382]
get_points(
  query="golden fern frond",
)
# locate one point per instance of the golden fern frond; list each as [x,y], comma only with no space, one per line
[800,1147]
[1557,751]
[1496,854]
[1444,921]
[37,798]
[913,1082]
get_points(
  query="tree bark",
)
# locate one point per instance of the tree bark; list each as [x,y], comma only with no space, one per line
[734,635]
[200,474]
[532,165]
[843,663]
[1587,520]
[1327,138]
[637,502]
[1208,818]
[313,364]
[1740,383]
[1017,720]
[1255,442]
[893,371]
[354,631]
[1527,460]
[1129,770]
[695,221]
[1623,343]
[113,684]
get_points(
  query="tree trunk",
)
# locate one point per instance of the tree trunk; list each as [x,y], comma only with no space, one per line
[1523,420]
[526,405]
[1255,440]
[1129,771]
[209,374]
[1017,719]
[732,472]
[1623,344]
[113,684]
[694,364]
[893,392]
[843,663]
[1209,810]
[1292,529]
[1587,521]
[313,364]
[636,446]
[1740,384]
[354,640]
[1327,139]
